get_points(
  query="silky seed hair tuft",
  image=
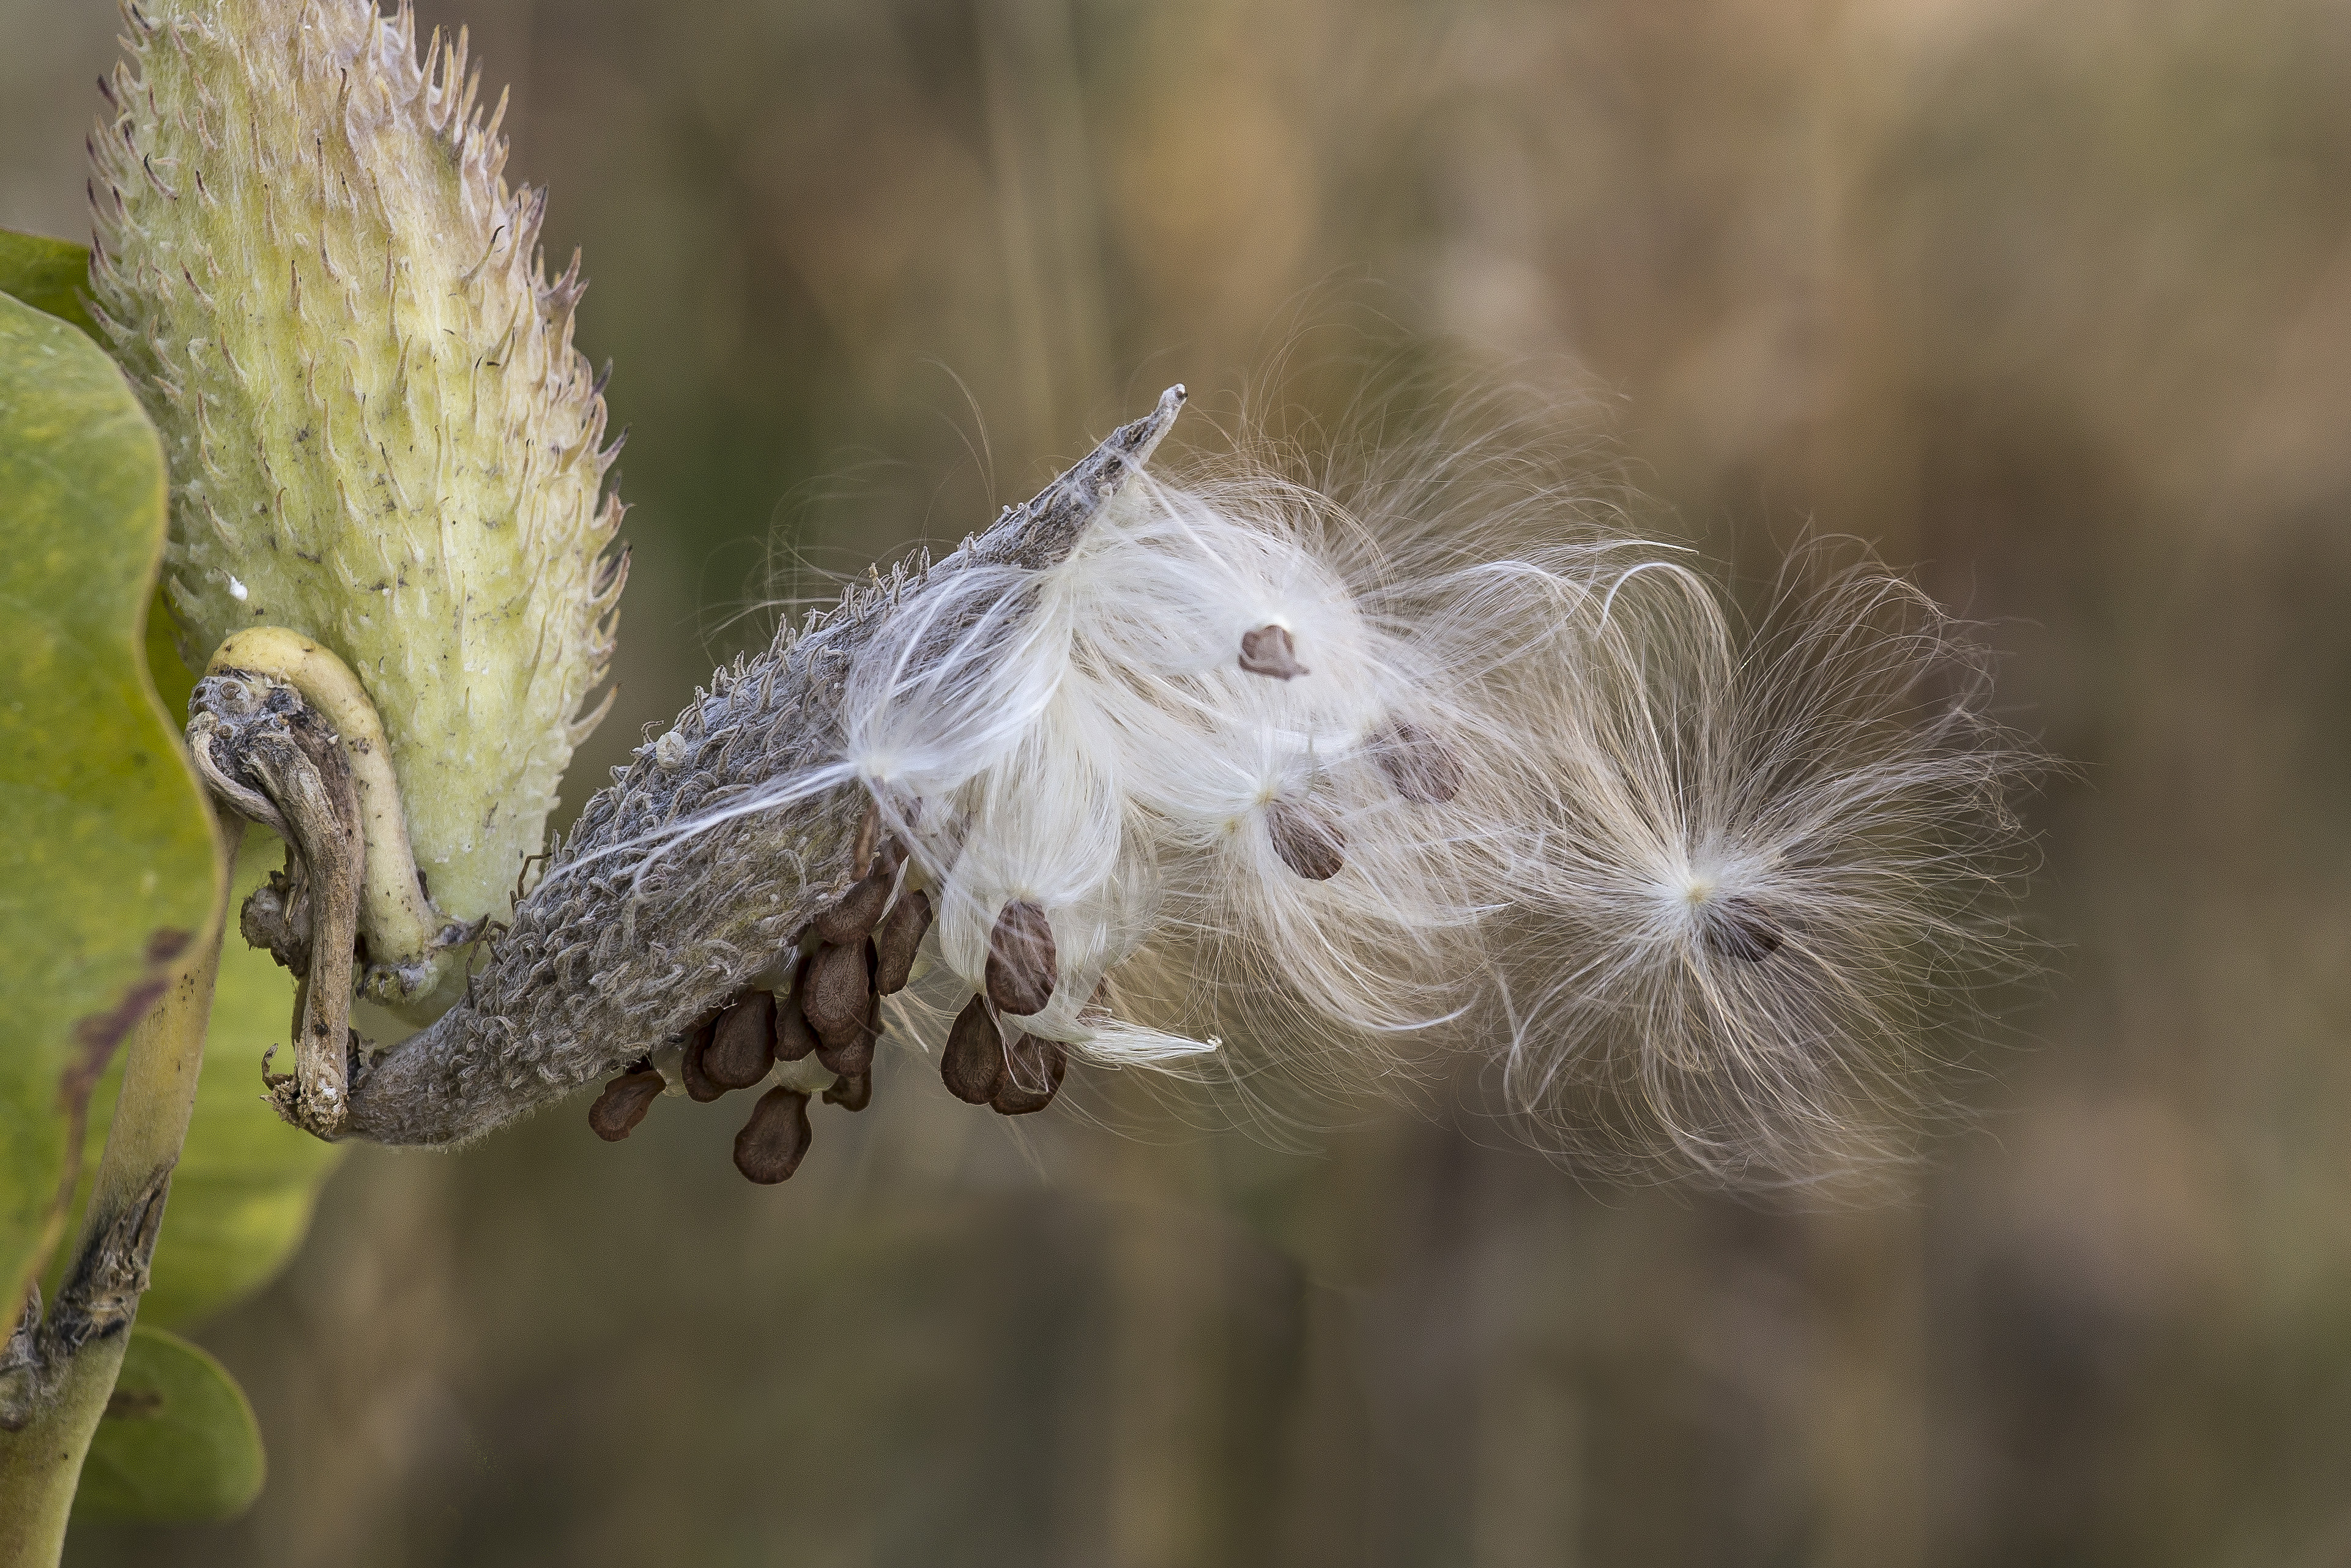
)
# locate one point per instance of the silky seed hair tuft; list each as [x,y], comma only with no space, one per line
[1768,873]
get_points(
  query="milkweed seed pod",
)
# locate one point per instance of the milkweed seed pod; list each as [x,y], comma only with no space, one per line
[1219,776]
[379,433]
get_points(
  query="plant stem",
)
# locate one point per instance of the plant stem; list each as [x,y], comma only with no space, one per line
[85,1330]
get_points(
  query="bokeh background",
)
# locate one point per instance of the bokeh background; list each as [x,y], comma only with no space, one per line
[2050,298]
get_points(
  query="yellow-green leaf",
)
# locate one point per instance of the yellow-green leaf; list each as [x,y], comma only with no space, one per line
[246,1183]
[108,864]
[178,1441]
[51,274]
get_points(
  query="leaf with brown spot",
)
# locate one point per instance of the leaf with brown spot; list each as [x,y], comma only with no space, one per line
[178,1443]
[110,861]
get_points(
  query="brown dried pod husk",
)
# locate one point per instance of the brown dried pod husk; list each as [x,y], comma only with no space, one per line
[1021,966]
[771,1147]
[1421,767]
[1033,1071]
[899,939]
[1309,842]
[1738,928]
[1267,651]
[972,1065]
[742,1043]
[624,1104]
[851,1091]
[856,1055]
[699,1087]
[795,1037]
[833,994]
[852,919]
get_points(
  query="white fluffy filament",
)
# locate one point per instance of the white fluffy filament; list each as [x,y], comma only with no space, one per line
[1342,789]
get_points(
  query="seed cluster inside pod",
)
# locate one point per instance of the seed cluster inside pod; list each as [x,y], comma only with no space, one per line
[865,948]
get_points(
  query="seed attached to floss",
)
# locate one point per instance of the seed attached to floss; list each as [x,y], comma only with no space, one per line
[1422,767]
[901,936]
[624,1104]
[852,1092]
[769,1147]
[832,997]
[1032,1076]
[1309,842]
[972,1066]
[1023,968]
[852,919]
[1737,927]
[699,1085]
[742,1043]
[1267,651]
[794,1037]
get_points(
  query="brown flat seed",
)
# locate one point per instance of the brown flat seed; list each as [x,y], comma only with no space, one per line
[900,936]
[852,918]
[699,1085]
[855,1092]
[794,1037]
[861,848]
[769,1147]
[1021,968]
[832,997]
[855,1055]
[624,1104]
[1421,767]
[1737,927]
[742,1042]
[1267,651]
[1032,1077]
[1309,842]
[972,1063]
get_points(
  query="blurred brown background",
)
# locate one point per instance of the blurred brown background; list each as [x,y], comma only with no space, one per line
[2051,298]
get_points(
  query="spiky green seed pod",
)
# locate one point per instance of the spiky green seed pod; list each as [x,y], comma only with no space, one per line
[379,433]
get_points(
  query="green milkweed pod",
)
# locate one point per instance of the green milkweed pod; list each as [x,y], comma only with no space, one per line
[379,433]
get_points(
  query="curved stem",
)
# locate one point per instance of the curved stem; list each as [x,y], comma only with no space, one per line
[406,935]
[81,1339]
